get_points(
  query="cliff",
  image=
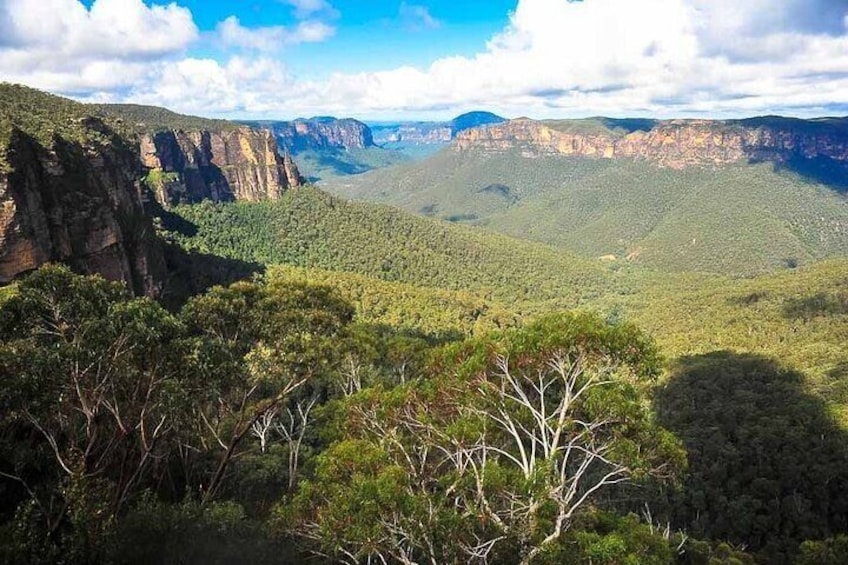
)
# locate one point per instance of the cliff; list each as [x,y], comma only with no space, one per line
[234,164]
[78,202]
[675,144]
[76,179]
[430,133]
[319,134]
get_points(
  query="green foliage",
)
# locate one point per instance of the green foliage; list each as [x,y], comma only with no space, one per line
[768,466]
[310,228]
[733,219]
[609,539]
[151,119]
[832,551]
[406,307]
[436,470]
[321,165]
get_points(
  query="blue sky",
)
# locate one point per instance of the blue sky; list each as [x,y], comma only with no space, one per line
[432,59]
[369,34]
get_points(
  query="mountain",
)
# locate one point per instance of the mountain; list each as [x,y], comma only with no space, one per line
[675,144]
[318,133]
[473,120]
[76,181]
[432,133]
[739,196]
[310,228]
[326,147]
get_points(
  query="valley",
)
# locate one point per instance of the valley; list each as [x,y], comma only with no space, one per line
[238,335]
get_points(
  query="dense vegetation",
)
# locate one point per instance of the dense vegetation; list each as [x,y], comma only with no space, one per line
[322,165]
[736,219]
[389,388]
[312,229]
[279,418]
[798,316]
[44,117]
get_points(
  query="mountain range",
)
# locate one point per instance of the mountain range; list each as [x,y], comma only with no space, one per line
[738,196]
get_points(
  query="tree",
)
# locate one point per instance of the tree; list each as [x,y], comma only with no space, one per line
[251,346]
[88,370]
[497,454]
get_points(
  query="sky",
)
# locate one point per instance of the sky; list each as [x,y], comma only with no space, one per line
[434,59]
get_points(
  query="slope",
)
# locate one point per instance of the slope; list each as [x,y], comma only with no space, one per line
[313,229]
[733,219]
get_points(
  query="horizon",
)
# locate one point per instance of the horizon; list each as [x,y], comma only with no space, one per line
[430,60]
[403,120]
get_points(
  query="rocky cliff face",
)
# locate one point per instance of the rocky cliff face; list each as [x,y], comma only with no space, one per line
[419,134]
[78,203]
[320,134]
[675,144]
[433,133]
[238,164]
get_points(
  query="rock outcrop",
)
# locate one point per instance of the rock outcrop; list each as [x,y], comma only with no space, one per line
[79,203]
[78,182]
[433,133]
[319,134]
[675,144]
[236,164]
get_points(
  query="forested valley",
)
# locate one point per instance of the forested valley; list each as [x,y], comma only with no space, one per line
[204,359]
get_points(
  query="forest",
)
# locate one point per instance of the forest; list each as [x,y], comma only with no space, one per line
[325,381]
[309,415]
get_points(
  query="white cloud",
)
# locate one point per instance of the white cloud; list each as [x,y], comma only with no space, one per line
[555,58]
[61,45]
[271,38]
[120,28]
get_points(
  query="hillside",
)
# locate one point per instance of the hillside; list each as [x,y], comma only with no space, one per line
[797,316]
[734,219]
[313,229]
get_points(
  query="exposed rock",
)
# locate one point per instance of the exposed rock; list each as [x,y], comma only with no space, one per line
[238,164]
[79,204]
[431,133]
[416,133]
[319,134]
[675,144]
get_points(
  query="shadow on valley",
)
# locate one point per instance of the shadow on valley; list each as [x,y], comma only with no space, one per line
[821,304]
[191,272]
[768,466]
[820,170]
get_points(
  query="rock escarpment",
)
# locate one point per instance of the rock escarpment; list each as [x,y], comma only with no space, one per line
[319,134]
[78,182]
[675,144]
[78,202]
[432,133]
[237,164]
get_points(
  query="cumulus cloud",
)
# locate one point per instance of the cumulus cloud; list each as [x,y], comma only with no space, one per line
[62,45]
[554,58]
[271,38]
[654,57]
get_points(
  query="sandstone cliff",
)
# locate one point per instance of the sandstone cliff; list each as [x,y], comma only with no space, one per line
[431,133]
[675,144]
[76,181]
[234,164]
[319,134]
[78,203]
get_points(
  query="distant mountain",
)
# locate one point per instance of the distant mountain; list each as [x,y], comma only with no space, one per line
[473,120]
[739,196]
[429,133]
[318,133]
